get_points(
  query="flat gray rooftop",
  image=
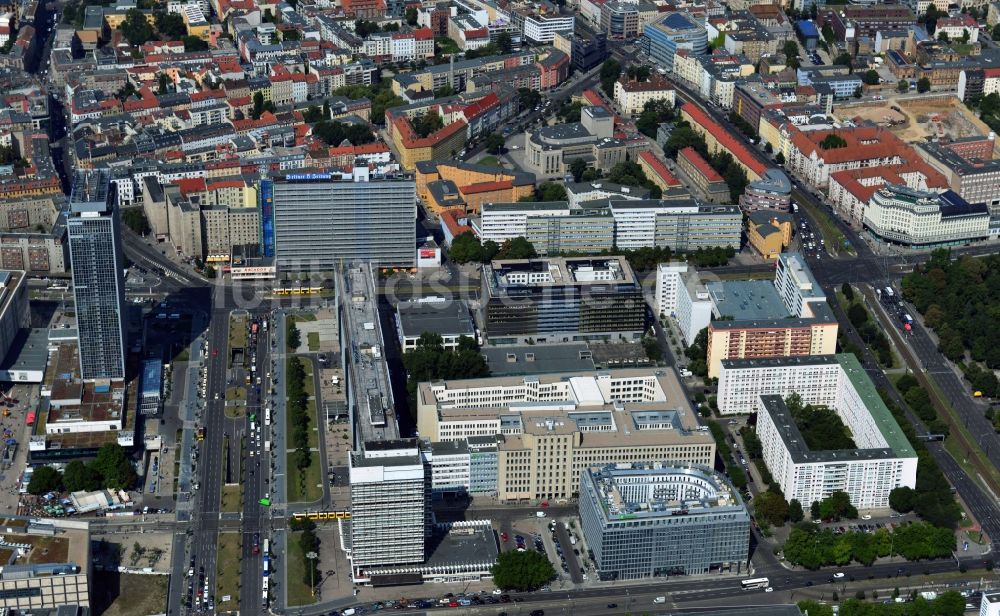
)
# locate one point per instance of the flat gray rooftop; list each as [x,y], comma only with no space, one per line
[538,359]
[458,549]
[747,300]
[447,318]
[29,351]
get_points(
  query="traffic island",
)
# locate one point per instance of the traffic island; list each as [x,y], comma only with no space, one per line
[303,470]
[227,573]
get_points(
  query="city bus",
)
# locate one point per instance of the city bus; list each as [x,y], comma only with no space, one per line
[755,583]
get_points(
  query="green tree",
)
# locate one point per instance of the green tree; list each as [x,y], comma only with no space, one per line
[504,43]
[848,291]
[550,191]
[871,77]
[923,85]
[170,25]
[795,513]
[832,141]
[79,476]
[828,34]
[528,97]
[610,72]
[427,123]
[44,479]
[494,143]
[771,508]
[652,347]
[115,467]
[135,28]
[837,506]
[517,248]
[193,43]
[843,59]
[291,34]
[293,335]
[411,16]
[903,85]
[522,571]
[334,133]
[901,499]
[577,167]
[791,51]
[135,219]
[258,105]
[430,361]
[779,159]
[814,510]
[857,315]
[995,32]
[466,249]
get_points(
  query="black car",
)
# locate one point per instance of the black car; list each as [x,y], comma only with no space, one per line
[537,612]
[612,606]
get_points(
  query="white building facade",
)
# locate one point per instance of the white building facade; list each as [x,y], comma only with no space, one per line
[882,460]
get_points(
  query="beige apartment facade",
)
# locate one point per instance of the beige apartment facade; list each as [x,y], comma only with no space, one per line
[553,427]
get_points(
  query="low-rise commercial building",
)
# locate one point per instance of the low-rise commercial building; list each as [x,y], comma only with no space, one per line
[769,232]
[653,520]
[562,300]
[883,460]
[971,169]
[553,427]
[49,565]
[450,319]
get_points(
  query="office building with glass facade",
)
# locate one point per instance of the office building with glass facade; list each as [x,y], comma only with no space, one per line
[562,300]
[654,520]
[98,276]
[322,220]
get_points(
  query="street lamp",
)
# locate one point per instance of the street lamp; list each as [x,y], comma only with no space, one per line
[312,556]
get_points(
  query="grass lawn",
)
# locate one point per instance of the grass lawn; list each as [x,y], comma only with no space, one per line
[298,588]
[304,486]
[313,340]
[136,594]
[228,573]
[236,393]
[232,501]
[489,161]
[827,228]
[183,355]
[237,332]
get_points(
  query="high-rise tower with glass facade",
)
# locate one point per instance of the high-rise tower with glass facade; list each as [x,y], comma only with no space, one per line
[98,276]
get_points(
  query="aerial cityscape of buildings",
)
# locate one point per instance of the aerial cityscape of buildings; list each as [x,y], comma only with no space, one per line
[590,306]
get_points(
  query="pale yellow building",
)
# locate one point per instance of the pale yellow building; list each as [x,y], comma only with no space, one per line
[553,426]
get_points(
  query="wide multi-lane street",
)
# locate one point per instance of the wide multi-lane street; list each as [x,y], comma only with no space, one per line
[255,522]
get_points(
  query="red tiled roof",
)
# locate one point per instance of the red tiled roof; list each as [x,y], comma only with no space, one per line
[863,143]
[412,140]
[191,185]
[700,164]
[450,219]
[739,151]
[659,168]
[481,106]
[991,72]
[423,34]
[481,187]
[220,184]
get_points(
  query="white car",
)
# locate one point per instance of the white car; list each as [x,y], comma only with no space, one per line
[838,575]
[768,589]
